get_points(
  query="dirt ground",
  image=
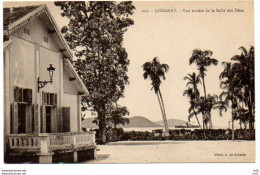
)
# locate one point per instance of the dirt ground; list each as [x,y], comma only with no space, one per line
[175,151]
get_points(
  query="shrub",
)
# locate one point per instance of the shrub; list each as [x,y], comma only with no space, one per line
[118,134]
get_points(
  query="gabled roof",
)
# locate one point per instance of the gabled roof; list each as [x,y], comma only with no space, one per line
[15,18]
[13,14]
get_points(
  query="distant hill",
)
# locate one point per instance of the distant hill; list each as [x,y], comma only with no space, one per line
[173,122]
[139,121]
[135,122]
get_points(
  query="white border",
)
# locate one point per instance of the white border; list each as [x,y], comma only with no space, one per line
[156,169]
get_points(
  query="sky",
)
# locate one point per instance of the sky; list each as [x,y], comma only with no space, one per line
[171,36]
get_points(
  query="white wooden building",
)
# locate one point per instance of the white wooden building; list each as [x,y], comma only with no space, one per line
[42,112]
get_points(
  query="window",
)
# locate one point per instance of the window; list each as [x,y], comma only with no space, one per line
[49,98]
[23,95]
[66,119]
[23,113]
[45,39]
[26,31]
[49,115]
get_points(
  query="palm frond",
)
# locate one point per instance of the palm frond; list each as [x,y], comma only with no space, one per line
[243,50]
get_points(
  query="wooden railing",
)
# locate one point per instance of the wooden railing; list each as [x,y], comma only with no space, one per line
[50,141]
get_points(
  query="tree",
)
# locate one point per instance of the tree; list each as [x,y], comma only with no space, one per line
[203,59]
[193,94]
[95,34]
[205,106]
[117,116]
[245,71]
[242,115]
[230,94]
[155,70]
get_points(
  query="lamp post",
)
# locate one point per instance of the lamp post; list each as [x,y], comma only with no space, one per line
[41,84]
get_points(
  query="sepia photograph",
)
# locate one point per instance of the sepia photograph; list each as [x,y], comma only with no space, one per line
[128,82]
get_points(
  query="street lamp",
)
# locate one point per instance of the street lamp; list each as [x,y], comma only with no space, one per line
[41,84]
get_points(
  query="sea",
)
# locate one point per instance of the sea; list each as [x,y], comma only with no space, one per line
[150,129]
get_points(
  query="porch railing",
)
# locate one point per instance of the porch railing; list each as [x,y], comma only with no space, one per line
[49,141]
[71,139]
[23,141]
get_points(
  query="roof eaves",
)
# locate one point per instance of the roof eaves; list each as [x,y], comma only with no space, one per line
[59,33]
[82,85]
[25,19]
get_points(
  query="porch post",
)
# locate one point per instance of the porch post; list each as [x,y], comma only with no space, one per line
[75,156]
[37,98]
[93,140]
[7,103]
[44,156]
[74,144]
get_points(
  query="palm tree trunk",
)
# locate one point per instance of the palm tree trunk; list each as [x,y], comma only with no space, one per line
[204,87]
[250,111]
[250,115]
[166,123]
[203,119]
[205,94]
[233,132]
[196,118]
[163,115]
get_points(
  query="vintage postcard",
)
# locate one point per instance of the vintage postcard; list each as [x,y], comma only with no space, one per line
[95,82]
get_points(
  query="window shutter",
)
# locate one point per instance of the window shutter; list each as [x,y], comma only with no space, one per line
[43,119]
[43,101]
[55,99]
[36,119]
[52,100]
[14,118]
[28,119]
[16,94]
[44,98]
[53,120]
[20,94]
[27,95]
[66,119]
[59,119]
[48,99]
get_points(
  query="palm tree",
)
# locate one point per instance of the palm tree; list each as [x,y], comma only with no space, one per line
[205,105]
[232,92]
[227,83]
[242,115]
[193,81]
[155,70]
[192,93]
[203,59]
[244,64]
